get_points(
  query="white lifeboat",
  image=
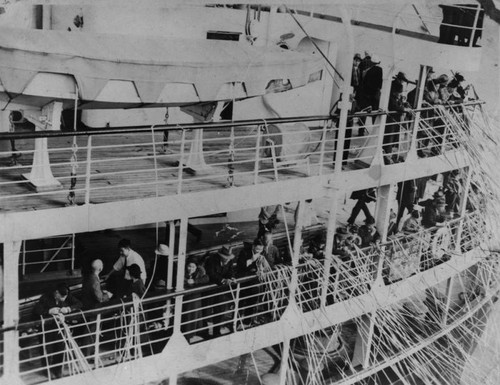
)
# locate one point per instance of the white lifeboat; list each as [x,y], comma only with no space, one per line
[117,71]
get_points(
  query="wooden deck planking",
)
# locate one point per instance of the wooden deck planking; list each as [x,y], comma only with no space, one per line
[114,168]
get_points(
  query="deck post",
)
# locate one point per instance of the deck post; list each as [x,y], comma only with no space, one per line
[284,361]
[463,209]
[88,170]
[330,234]
[10,352]
[382,219]
[171,249]
[383,210]
[364,341]
[422,80]
[41,178]
[5,126]
[449,291]
[181,263]
[322,147]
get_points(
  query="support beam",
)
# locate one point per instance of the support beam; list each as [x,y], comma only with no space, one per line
[181,263]
[40,178]
[383,210]
[463,208]
[5,126]
[364,340]
[422,80]
[11,252]
[330,234]
[200,114]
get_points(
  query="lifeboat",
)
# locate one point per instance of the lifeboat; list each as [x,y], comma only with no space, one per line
[113,71]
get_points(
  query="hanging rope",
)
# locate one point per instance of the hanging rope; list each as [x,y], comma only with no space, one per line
[314,43]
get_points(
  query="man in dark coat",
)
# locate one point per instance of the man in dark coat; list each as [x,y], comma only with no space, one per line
[368,94]
[406,197]
[221,270]
[55,303]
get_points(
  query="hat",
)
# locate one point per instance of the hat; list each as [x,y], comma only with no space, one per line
[134,270]
[162,250]
[357,56]
[225,252]
[375,59]
[458,77]
[442,79]
[438,194]
[402,76]
[368,54]
[264,216]
[342,231]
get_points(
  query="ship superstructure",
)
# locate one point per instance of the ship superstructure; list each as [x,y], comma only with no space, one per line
[260,117]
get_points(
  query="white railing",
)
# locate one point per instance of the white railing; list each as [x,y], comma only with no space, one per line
[38,256]
[114,167]
[131,329]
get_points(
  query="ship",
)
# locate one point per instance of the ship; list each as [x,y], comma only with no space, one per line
[193,132]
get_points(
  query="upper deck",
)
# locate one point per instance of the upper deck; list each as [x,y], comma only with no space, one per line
[114,179]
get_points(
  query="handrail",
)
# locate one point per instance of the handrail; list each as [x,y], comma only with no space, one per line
[163,127]
[190,291]
[205,126]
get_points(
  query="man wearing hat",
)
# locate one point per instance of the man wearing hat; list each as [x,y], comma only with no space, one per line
[371,83]
[221,270]
[433,210]
[397,108]
[268,219]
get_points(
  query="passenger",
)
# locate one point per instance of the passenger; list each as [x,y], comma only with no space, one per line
[138,288]
[317,246]
[368,95]
[127,258]
[356,73]
[406,197]
[412,224]
[270,252]
[192,313]
[397,108]
[56,303]
[92,296]
[363,197]
[268,219]
[92,293]
[452,190]
[221,270]
[434,210]
[252,260]
[368,234]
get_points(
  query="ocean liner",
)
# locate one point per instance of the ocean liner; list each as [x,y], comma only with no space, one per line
[211,161]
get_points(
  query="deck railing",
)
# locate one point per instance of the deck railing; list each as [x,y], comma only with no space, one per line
[133,328]
[116,165]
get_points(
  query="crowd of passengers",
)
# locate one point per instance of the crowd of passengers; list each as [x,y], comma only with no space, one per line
[128,277]
[366,81]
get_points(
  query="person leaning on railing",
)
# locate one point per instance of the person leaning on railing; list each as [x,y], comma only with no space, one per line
[192,314]
[55,304]
[221,270]
[434,210]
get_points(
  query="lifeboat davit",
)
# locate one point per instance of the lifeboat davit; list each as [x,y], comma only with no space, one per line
[118,71]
